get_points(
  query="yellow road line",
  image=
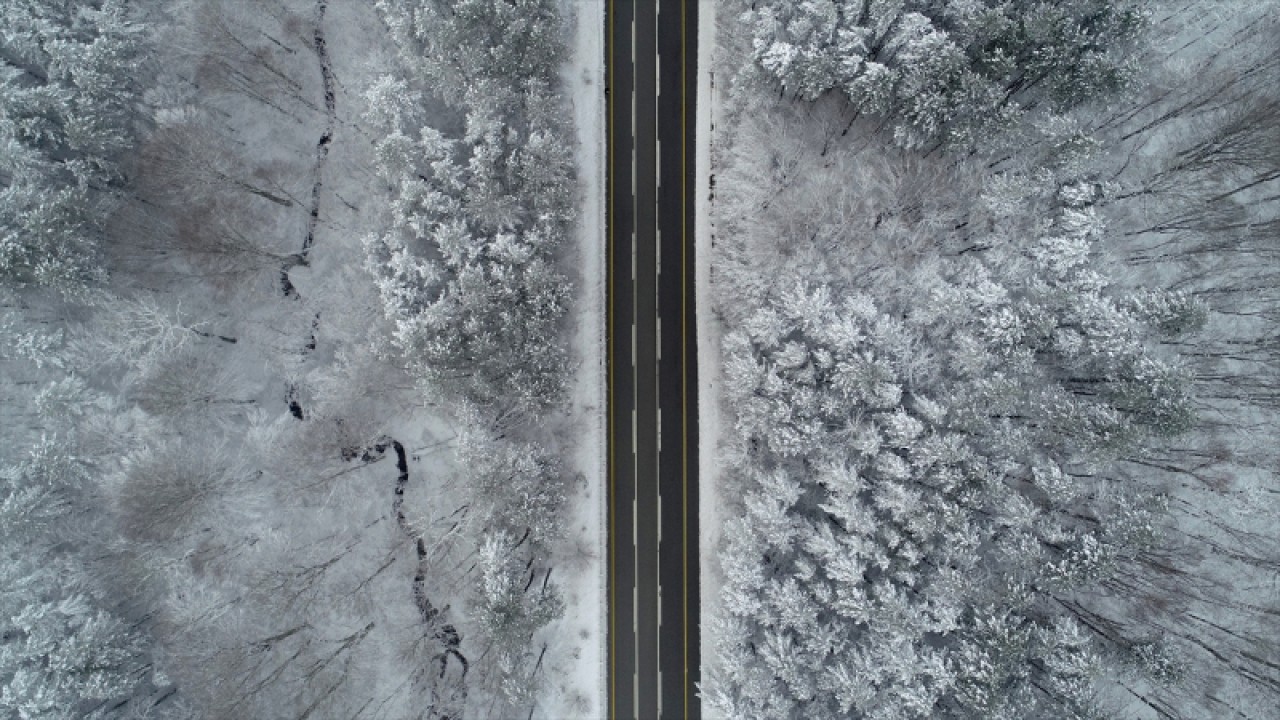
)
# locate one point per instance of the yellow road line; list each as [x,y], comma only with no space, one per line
[609,220]
[684,375]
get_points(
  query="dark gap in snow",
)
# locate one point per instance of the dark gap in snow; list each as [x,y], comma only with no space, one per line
[291,262]
[214,336]
[322,152]
[315,327]
[291,397]
[446,634]
[286,286]
[326,137]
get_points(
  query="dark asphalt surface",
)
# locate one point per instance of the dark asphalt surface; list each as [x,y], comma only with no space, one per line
[653,500]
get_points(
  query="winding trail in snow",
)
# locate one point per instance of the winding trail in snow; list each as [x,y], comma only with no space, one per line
[331,121]
[443,632]
[321,48]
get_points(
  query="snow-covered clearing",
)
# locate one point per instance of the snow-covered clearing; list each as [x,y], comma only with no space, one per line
[577,688]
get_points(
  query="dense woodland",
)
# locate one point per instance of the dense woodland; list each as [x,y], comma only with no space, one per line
[285,287]
[1004,405]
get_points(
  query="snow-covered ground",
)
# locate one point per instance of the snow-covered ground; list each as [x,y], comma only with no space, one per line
[709,328]
[307,348]
[574,679]
[576,684]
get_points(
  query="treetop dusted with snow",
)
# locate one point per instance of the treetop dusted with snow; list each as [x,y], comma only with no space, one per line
[998,360]
[949,70]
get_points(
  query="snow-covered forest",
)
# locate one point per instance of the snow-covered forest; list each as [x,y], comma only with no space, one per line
[286,357]
[999,297]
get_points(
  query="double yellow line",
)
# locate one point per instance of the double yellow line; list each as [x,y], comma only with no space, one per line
[613,447]
[684,370]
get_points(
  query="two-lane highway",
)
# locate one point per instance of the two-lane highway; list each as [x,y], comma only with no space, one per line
[653,490]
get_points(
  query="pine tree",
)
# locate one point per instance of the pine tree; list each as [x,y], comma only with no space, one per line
[67,74]
[63,653]
[904,474]
[480,313]
[945,71]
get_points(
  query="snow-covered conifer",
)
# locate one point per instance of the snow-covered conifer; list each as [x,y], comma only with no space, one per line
[67,88]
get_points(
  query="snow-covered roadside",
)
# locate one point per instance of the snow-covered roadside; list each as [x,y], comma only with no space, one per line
[578,686]
[709,331]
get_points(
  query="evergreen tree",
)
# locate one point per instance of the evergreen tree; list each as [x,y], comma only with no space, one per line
[920,482]
[945,71]
[67,74]
[466,269]
[63,652]
[466,47]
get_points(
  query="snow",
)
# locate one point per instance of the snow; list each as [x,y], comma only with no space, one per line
[306,166]
[710,330]
[278,151]
[577,686]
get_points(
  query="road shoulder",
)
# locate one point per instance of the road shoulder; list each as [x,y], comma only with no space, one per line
[709,331]
[578,687]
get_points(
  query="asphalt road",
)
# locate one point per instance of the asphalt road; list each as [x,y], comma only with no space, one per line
[653,486]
